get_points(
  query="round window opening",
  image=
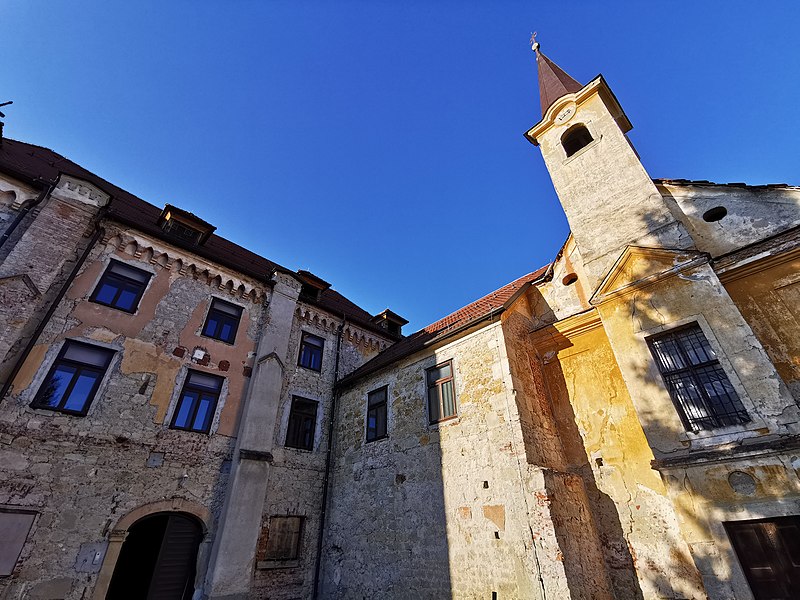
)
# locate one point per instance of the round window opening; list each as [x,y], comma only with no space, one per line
[715,214]
[569,279]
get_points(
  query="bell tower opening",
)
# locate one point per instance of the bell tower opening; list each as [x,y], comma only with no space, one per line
[575,138]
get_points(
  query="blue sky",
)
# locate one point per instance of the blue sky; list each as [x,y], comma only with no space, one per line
[379,144]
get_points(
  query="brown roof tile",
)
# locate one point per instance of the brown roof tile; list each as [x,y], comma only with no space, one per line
[42,166]
[472,313]
[553,82]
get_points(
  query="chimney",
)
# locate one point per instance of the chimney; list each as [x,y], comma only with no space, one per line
[3,116]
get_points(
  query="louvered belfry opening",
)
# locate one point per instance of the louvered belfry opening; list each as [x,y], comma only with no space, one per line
[157,560]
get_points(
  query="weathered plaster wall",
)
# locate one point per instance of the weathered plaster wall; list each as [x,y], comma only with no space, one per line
[81,474]
[442,510]
[753,213]
[768,295]
[297,476]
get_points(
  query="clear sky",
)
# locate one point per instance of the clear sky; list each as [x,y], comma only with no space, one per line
[380,144]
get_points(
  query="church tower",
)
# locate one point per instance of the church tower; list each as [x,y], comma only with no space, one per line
[608,197]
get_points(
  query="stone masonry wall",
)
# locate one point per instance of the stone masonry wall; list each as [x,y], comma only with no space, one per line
[82,474]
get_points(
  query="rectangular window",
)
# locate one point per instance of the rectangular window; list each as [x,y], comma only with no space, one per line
[14,528]
[302,424]
[702,393]
[121,286]
[283,538]
[441,392]
[222,321]
[74,378]
[311,352]
[376,414]
[197,402]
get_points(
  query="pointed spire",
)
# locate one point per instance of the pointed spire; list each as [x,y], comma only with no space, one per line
[553,80]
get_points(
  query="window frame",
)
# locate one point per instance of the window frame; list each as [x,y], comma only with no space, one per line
[295,430]
[20,512]
[80,368]
[199,390]
[305,335]
[109,274]
[222,318]
[384,404]
[437,385]
[577,129]
[301,519]
[715,419]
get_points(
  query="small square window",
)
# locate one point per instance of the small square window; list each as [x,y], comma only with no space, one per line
[73,379]
[700,389]
[121,287]
[283,538]
[311,352]
[376,414]
[14,529]
[302,424]
[441,392]
[222,321]
[197,402]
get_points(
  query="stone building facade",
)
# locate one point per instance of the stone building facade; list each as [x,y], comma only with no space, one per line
[181,418]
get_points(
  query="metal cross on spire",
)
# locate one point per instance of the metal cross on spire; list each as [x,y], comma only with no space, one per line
[534,43]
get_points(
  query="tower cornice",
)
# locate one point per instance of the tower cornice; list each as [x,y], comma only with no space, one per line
[559,112]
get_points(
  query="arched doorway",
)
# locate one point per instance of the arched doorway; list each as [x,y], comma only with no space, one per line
[158,559]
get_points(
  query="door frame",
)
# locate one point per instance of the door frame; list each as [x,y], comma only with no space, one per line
[117,536]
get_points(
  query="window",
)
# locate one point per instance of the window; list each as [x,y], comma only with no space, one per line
[441,393]
[376,414]
[74,378]
[283,538]
[121,287]
[197,402]
[302,424]
[222,321]
[702,393]
[575,138]
[311,352]
[14,528]
[181,231]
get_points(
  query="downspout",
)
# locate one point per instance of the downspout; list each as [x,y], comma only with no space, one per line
[23,211]
[328,455]
[98,234]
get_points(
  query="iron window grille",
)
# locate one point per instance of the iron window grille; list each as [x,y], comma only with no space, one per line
[311,352]
[72,382]
[283,538]
[441,392]
[121,287]
[222,321]
[302,424]
[376,414]
[700,389]
[198,402]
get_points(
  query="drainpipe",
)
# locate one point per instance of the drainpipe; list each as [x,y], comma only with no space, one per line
[325,481]
[98,234]
[24,210]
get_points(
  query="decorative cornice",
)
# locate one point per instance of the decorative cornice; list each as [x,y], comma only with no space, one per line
[152,251]
[82,191]
[353,334]
[553,335]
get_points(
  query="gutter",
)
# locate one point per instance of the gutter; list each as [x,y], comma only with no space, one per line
[98,234]
[328,455]
[23,211]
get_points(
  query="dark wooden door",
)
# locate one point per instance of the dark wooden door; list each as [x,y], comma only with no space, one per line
[157,560]
[769,552]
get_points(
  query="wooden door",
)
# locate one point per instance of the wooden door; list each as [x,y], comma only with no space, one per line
[769,552]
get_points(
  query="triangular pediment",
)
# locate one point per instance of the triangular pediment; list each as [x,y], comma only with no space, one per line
[639,266]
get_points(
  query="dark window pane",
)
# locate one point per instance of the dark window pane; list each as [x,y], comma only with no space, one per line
[82,391]
[222,321]
[311,352]
[448,399]
[302,424]
[211,326]
[433,403]
[203,414]
[227,332]
[185,408]
[57,384]
[198,401]
[121,287]
[105,293]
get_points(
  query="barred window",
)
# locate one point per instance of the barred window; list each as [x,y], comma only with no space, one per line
[702,393]
[441,392]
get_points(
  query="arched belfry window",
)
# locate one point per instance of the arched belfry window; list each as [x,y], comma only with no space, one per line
[575,138]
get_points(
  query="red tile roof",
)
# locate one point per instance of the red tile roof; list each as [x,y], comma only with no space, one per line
[489,305]
[42,166]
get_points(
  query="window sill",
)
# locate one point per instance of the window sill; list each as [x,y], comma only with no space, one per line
[569,159]
[312,369]
[380,439]
[62,411]
[133,312]
[208,337]
[269,565]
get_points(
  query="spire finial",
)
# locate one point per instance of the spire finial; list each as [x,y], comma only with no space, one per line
[534,43]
